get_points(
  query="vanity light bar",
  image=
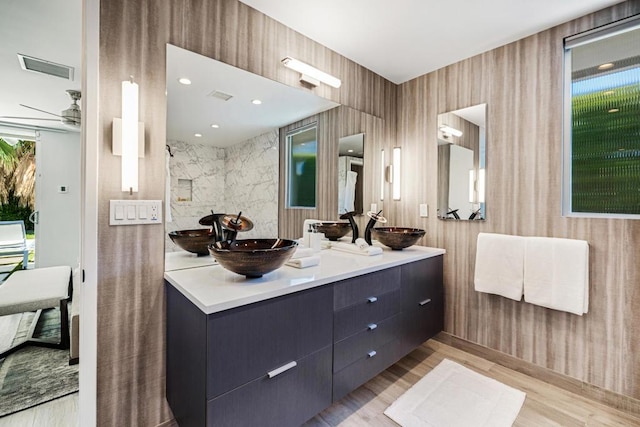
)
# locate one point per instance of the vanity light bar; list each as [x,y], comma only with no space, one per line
[451,131]
[308,70]
[396,173]
[382,173]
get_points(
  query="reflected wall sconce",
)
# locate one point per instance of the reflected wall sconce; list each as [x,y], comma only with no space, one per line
[476,186]
[128,137]
[448,131]
[310,74]
[396,173]
[382,174]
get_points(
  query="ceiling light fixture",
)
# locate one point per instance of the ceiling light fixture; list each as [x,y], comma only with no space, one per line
[309,74]
[184,81]
[448,130]
[197,135]
[256,102]
[215,126]
[605,66]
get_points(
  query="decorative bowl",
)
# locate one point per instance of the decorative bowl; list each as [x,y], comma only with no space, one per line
[253,257]
[333,230]
[194,241]
[397,238]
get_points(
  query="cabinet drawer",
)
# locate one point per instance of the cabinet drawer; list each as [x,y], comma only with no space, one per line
[353,291]
[376,335]
[421,280]
[422,322]
[365,368]
[288,399]
[244,343]
[354,318]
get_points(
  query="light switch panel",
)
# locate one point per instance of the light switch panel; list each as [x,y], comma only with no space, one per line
[135,212]
[424,210]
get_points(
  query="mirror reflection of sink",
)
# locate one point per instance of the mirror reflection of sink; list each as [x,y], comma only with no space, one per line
[194,241]
[253,257]
[333,230]
[397,238]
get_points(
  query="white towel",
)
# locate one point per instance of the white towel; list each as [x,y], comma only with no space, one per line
[305,262]
[302,253]
[351,248]
[556,274]
[361,243]
[500,265]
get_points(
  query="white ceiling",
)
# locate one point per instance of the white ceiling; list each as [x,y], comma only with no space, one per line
[46,29]
[404,39]
[191,110]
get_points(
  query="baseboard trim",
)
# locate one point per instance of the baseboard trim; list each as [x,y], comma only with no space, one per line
[607,397]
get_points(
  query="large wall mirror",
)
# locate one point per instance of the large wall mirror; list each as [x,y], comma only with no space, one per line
[461,164]
[351,174]
[223,132]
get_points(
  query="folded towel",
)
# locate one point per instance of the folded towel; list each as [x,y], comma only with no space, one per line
[305,262]
[556,274]
[361,243]
[302,253]
[351,248]
[500,265]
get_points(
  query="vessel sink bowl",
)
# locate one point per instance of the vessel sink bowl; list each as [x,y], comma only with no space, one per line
[194,241]
[253,257]
[333,230]
[397,238]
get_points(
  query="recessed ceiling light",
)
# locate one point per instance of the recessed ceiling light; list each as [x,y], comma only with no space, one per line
[605,66]
[215,126]
[614,110]
[197,135]
[349,151]
[256,102]
[184,81]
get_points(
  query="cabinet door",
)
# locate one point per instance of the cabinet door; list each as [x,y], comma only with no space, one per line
[287,399]
[246,342]
[422,300]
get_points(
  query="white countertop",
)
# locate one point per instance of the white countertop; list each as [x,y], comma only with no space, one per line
[182,259]
[214,289]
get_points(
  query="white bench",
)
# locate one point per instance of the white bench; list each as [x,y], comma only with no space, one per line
[36,290]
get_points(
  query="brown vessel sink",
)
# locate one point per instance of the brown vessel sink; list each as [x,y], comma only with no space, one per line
[253,257]
[397,238]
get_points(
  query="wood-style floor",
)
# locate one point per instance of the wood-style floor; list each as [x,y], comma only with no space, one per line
[545,405]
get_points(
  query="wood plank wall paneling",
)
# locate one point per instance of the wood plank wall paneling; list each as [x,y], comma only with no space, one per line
[522,85]
[332,125]
[133,37]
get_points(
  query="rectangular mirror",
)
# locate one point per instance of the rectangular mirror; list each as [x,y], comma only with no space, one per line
[350,174]
[302,156]
[461,164]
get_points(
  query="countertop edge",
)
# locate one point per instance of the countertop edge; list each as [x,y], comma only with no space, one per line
[424,253]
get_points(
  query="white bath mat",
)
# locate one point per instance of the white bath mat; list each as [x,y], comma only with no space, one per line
[452,395]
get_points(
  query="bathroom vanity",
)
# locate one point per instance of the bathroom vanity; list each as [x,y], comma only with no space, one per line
[277,350]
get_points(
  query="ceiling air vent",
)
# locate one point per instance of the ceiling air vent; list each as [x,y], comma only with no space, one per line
[30,63]
[220,95]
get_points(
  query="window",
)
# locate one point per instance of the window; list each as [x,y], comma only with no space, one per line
[302,153]
[602,122]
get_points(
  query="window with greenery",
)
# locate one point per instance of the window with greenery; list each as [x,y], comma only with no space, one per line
[17,176]
[302,153]
[602,122]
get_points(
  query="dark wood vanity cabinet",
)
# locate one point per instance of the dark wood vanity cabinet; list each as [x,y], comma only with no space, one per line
[266,364]
[281,361]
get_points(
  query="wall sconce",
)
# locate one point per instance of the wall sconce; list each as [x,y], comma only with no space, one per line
[448,131]
[382,174]
[476,186]
[309,74]
[128,137]
[396,173]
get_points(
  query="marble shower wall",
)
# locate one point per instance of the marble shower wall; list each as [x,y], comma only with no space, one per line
[204,165]
[251,178]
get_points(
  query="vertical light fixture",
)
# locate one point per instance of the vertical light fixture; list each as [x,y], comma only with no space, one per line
[382,173]
[129,136]
[396,173]
[481,185]
[472,186]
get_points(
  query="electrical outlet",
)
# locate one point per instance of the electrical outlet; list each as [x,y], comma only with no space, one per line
[374,207]
[424,210]
[154,212]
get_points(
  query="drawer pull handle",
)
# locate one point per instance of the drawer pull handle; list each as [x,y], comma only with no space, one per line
[372,353]
[281,369]
[425,302]
[372,299]
[372,326]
